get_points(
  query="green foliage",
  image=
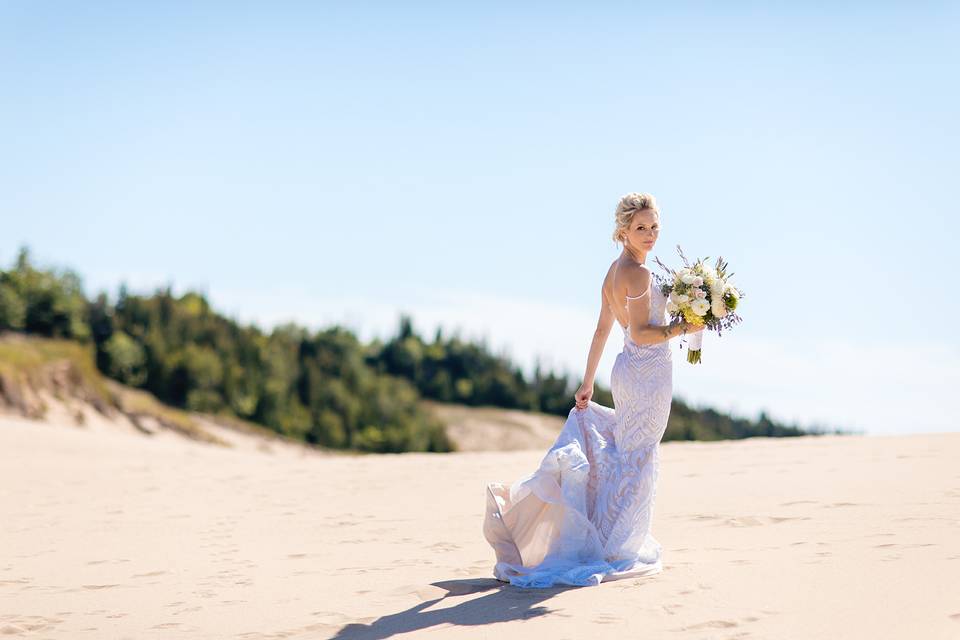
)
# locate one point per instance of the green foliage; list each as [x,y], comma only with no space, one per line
[125,359]
[50,303]
[451,370]
[687,423]
[730,301]
[13,308]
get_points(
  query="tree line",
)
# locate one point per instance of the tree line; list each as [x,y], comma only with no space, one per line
[324,387]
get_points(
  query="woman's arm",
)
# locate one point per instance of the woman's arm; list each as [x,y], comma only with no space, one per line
[600,335]
[653,334]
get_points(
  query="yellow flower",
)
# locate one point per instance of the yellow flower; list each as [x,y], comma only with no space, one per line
[691,317]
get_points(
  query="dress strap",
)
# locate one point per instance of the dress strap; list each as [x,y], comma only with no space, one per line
[635,297]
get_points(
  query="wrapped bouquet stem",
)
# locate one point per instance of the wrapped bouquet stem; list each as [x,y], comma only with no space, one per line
[700,294]
[694,342]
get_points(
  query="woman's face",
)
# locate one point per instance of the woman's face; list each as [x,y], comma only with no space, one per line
[643,230]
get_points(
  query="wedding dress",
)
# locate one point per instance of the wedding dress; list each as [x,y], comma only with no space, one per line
[584,516]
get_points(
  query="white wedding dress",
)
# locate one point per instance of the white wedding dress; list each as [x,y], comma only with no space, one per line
[584,516]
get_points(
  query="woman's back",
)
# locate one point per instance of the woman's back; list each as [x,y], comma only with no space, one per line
[615,294]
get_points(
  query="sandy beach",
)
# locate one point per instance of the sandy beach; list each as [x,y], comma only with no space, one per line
[108,533]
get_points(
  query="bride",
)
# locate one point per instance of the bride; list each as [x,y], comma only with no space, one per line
[584,516]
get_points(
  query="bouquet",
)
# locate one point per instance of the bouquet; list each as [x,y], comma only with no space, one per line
[702,295]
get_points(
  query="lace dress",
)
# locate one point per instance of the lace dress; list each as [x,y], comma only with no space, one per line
[584,516]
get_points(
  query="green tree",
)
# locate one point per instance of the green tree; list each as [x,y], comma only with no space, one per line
[125,359]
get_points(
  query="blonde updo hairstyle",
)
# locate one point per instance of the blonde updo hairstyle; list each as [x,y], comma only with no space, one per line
[629,205]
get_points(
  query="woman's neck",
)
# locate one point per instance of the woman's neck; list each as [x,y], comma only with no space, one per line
[635,256]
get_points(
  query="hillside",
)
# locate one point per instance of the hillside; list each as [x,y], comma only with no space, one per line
[55,381]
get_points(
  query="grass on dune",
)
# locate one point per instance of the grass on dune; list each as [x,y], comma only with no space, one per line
[51,364]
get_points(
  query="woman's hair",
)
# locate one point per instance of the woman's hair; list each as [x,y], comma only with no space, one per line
[629,205]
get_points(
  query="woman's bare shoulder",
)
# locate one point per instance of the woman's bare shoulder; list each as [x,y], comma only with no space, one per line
[636,277]
[610,275]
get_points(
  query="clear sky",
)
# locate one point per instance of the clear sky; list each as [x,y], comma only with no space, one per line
[345,163]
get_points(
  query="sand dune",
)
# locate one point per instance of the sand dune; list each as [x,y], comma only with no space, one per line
[108,533]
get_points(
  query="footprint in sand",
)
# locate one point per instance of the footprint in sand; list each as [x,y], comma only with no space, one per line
[607,619]
[17,581]
[148,575]
[99,586]
[187,610]
[779,519]
[22,625]
[166,625]
[709,624]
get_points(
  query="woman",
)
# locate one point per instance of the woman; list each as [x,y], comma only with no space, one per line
[584,516]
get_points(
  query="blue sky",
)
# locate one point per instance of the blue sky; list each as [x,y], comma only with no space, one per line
[338,162]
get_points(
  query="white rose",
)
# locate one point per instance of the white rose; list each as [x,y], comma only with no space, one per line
[718,308]
[683,298]
[672,308]
[688,278]
[697,281]
[699,293]
[700,307]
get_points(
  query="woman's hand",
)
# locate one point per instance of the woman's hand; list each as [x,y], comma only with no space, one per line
[583,395]
[692,328]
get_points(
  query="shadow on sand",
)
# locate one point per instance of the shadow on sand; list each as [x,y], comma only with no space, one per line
[504,603]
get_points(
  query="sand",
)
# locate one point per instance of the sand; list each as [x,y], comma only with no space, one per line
[109,533]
